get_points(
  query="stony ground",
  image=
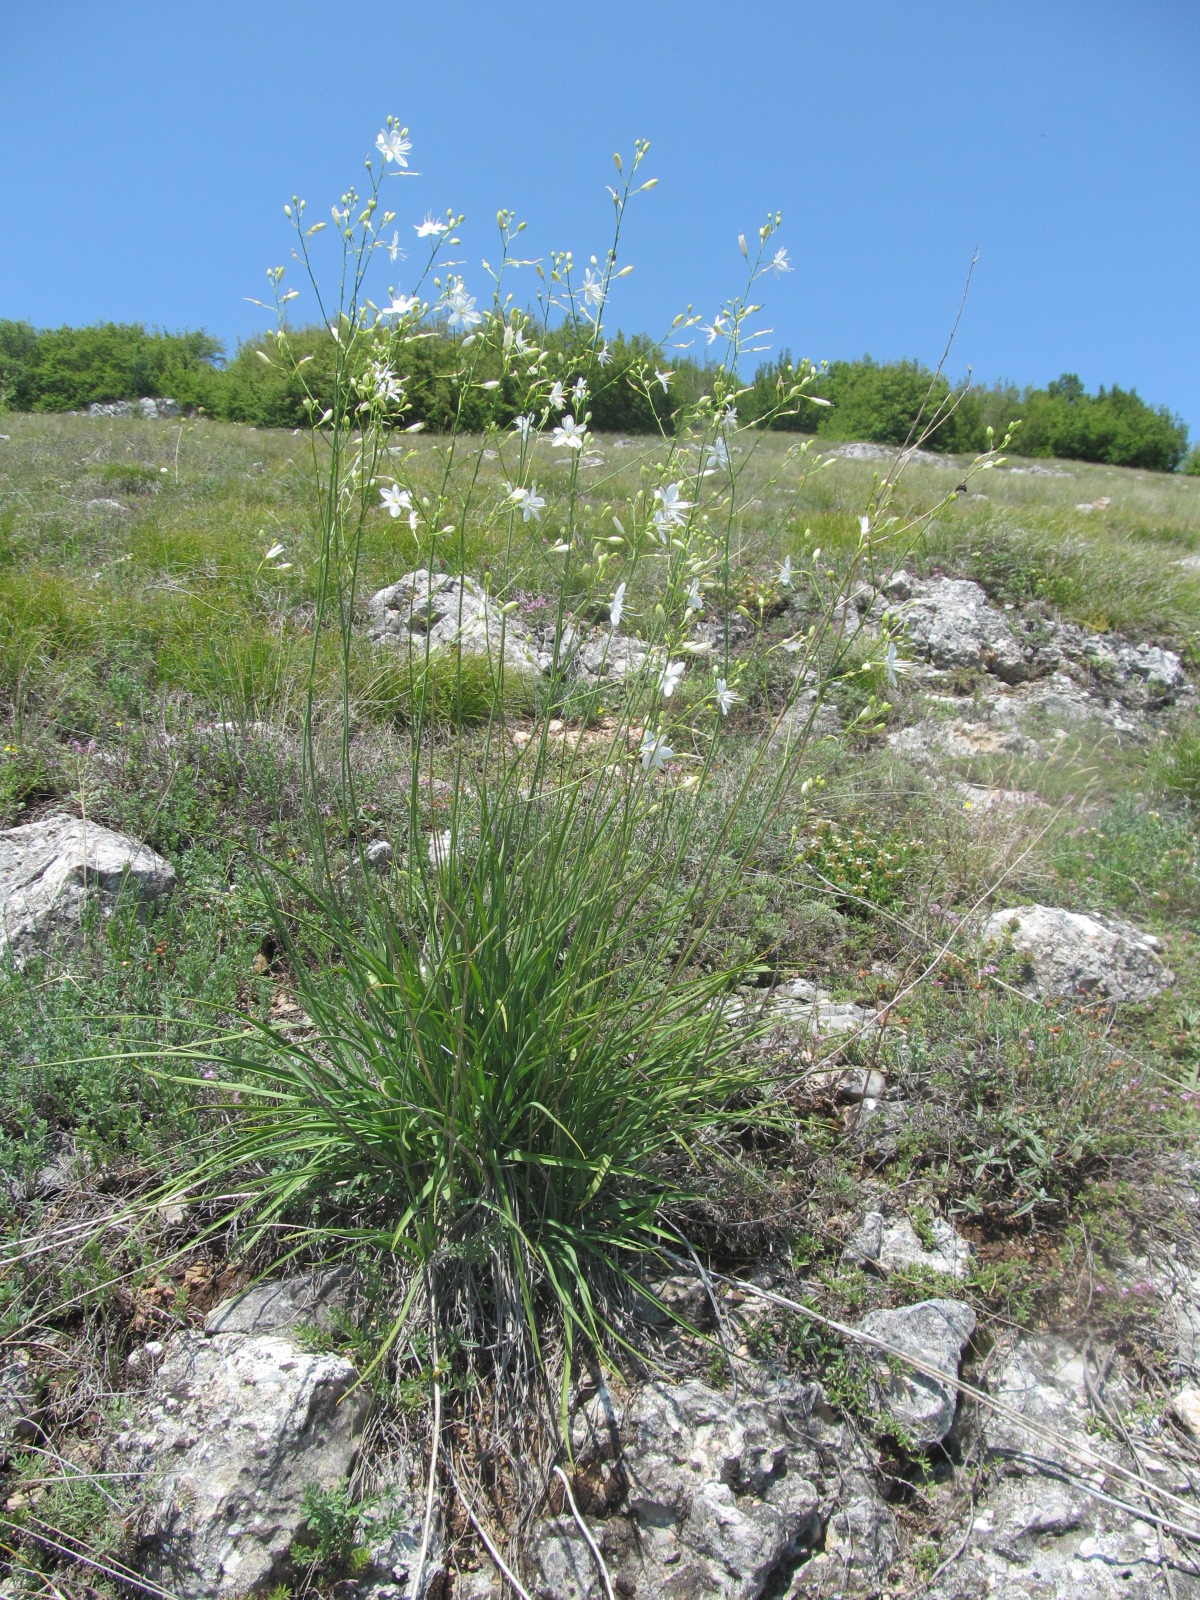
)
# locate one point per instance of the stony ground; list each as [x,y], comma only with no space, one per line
[945,1339]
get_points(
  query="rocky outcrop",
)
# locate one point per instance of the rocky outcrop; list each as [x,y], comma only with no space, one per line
[238,1422]
[891,1244]
[1036,1530]
[146,407]
[47,870]
[1068,953]
[434,611]
[936,1332]
[689,1492]
[952,626]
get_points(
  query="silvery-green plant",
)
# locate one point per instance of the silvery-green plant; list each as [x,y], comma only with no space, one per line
[516,1067]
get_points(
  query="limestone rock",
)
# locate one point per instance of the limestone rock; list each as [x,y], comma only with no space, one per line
[110,408]
[1068,952]
[235,1427]
[436,611]
[694,1494]
[280,1303]
[936,1331]
[950,624]
[892,1244]
[48,868]
[1036,1531]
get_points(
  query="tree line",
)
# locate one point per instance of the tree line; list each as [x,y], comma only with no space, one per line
[68,369]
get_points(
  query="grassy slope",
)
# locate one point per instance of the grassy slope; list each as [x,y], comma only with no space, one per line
[125,636]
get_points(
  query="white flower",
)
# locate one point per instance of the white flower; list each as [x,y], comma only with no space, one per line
[695,600]
[717,459]
[604,354]
[579,391]
[864,526]
[655,752]
[394,145]
[725,697]
[274,553]
[431,228]
[514,339]
[523,425]
[779,262]
[664,377]
[557,398]
[387,384]
[672,510]
[894,665]
[728,423]
[669,681]
[616,607]
[785,573]
[393,248]
[396,499]
[529,500]
[461,310]
[401,305]
[593,288]
[716,328]
[569,434]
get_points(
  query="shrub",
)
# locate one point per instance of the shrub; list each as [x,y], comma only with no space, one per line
[66,369]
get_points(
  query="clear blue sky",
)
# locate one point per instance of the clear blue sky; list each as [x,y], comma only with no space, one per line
[147,146]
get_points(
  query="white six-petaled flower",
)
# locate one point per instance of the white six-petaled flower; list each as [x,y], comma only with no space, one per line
[395,499]
[593,288]
[669,681]
[717,458]
[616,607]
[725,697]
[655,752]
[393,247]
[401,305]
[579,391]
[671,511]
[664,377]
[529,500]
[431,228]
[695,600]
[779,262]
[460,308]
[570,434]
[395,147]
[523,425]
[785,573]
[604,354]
[557,398]
[715,329]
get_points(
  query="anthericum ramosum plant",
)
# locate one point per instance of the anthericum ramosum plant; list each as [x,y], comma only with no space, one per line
[515,1070]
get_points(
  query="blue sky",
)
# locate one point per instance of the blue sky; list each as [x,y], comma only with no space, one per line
[146,150]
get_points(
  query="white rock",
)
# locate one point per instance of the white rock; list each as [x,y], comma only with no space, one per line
[719,1498]
[106,505]
[447,611]
[236,1425]
[937,1332]
[378,854]
[892,1244]
[1186,1406]
[48,868]
[1069,952]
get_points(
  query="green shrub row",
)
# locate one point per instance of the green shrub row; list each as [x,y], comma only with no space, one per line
[882,402]
[66,369]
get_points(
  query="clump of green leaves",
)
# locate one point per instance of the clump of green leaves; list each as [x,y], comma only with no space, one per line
[859,865]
